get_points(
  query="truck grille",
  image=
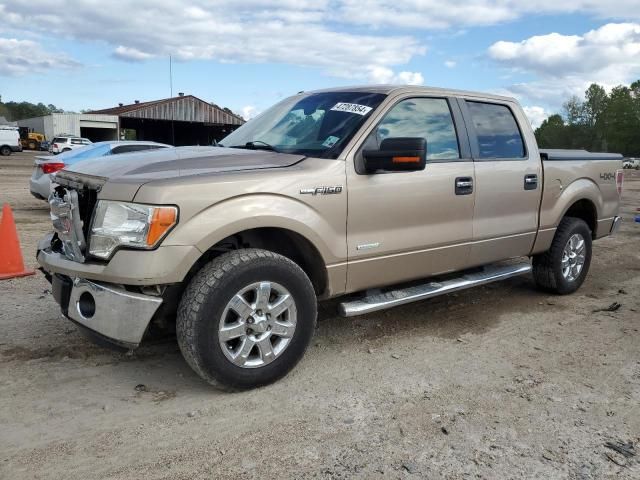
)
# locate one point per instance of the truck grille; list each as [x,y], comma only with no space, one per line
[71,212]
[72,203]
[87,199]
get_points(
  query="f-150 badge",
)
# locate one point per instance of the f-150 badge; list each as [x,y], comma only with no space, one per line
[322,190]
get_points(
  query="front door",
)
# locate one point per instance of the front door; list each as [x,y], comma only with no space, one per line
[408,225]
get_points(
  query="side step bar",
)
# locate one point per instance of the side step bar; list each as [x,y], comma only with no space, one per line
[382,300]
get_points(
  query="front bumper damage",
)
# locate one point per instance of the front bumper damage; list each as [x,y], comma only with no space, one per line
[111,311]
[116,300]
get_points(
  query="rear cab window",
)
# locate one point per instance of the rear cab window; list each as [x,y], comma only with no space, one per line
[497,131]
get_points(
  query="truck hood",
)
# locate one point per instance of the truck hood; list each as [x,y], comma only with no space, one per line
[142,167]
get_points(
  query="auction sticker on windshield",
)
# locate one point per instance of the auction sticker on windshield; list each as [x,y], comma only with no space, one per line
[330,141]
[351,108]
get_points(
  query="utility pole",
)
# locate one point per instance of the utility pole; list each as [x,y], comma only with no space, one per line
[173,132]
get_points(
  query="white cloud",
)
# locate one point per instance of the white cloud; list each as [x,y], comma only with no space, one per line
[252,31]
[317,33]
[386,75]
[313,33]
[442,14]
[613,48]
[408,78]
[566,64]
[129,54]
[19,57]
[450,63]
[536,115]
[249,111]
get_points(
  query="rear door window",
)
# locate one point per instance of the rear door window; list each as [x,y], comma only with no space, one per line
[497,131]
[60,140]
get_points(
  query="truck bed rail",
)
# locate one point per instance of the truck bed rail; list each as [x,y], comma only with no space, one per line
[556,155]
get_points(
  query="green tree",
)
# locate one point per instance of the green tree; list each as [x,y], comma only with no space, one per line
[621,123]
[20,110]
[596,99]
[574,111]
[552,133]
[595,103]
[599,122]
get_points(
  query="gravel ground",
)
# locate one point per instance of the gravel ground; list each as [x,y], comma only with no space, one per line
[497,382]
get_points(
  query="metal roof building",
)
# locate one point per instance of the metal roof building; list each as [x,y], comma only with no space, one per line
[181,120]
[96,127]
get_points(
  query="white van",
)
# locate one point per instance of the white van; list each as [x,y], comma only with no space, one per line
[9,140]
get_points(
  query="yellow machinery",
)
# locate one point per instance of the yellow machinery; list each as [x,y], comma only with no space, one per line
[31,140]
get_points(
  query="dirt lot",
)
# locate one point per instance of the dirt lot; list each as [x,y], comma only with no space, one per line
[496,382]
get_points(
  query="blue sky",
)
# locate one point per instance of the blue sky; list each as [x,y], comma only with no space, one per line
[246,55]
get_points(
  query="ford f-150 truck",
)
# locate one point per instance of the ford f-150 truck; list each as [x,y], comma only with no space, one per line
[381,195]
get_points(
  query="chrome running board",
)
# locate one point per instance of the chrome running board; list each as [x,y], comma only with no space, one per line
[392,298]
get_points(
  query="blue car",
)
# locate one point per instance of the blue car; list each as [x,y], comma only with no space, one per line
[46,166]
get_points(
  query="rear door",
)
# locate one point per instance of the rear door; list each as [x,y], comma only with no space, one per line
[508,181]
[407,225]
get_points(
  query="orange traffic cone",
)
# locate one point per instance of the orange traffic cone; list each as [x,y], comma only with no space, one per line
[11,264]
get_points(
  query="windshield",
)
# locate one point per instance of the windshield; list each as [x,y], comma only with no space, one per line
[317,125]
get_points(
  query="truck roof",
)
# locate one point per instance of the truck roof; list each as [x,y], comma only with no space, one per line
[387,89]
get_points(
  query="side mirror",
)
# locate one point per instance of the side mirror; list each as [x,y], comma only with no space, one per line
[399,154]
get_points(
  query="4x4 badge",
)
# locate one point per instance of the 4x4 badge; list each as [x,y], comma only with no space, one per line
[322,190]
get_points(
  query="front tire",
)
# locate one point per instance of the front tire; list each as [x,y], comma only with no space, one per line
[246,319]
[5,151]
[563,268]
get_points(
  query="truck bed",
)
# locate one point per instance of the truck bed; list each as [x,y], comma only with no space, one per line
[575,175]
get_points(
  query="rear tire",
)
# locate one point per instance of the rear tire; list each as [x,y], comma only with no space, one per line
[563,268]
[32,146]
[224,333]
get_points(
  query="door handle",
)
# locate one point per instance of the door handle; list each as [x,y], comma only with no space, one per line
[464,186]
[531,181]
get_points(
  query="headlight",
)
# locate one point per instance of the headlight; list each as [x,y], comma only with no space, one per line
[119,224]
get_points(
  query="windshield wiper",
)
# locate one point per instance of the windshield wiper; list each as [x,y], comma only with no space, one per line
[256,145]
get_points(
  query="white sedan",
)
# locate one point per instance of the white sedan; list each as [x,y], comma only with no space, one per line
[46,166]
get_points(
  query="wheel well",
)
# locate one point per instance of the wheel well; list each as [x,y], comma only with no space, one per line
[278,240]
[585,210]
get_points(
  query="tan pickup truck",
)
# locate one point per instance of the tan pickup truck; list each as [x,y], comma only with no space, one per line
[381,195]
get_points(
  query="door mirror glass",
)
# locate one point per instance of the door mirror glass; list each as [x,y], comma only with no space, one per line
[399,154]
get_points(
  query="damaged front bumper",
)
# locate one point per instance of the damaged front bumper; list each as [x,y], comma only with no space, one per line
[111,311]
